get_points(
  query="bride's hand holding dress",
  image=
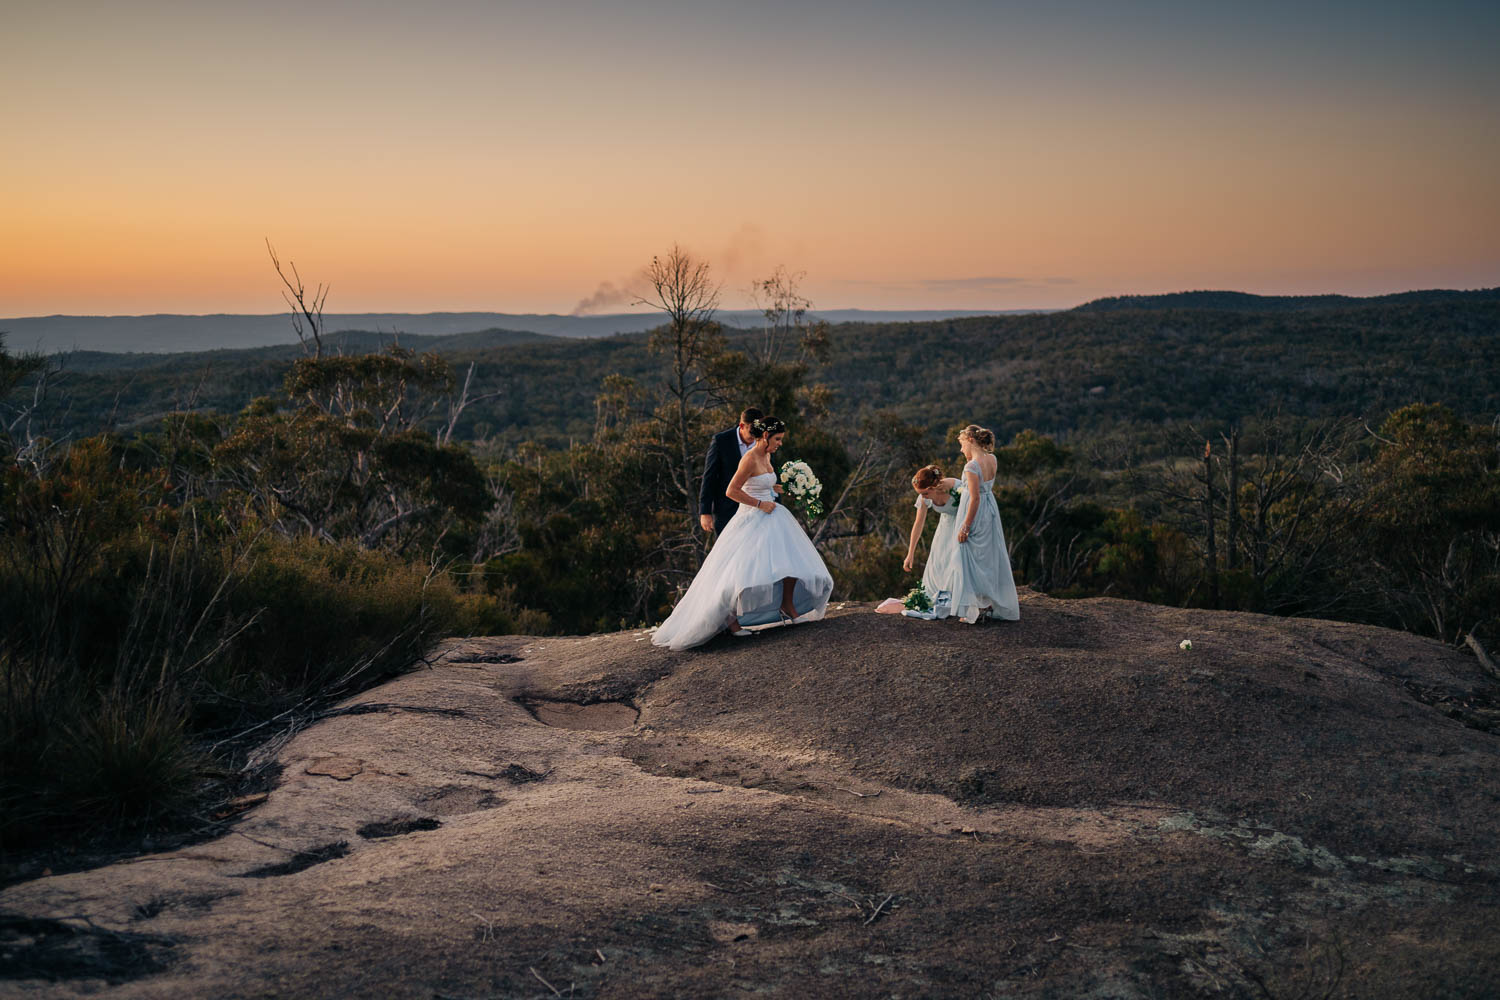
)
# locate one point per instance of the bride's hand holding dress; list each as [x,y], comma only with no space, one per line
[983,585]
[761,569]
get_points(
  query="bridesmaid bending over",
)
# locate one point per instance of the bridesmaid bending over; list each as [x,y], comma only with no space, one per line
[938,493]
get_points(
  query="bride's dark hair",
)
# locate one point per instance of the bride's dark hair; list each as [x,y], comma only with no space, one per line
[765,426]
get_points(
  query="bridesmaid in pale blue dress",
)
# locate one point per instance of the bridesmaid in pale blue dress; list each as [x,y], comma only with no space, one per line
[937,493]
[982,584]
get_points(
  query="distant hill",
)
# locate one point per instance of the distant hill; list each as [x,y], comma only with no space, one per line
[177,334]
[343,342]
[1245,302]
[1077,373]
[170,333]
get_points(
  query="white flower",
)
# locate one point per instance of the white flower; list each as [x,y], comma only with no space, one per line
[1185,645]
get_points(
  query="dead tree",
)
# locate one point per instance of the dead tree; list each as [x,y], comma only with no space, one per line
[22,433]
[780,300]
[307,310]
[682,287]
[457,406]
[1232,500]
[1210,552]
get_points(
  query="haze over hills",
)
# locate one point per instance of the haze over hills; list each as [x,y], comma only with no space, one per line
[168,333]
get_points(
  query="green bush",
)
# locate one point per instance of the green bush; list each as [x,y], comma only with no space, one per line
[135,630]
[324,614]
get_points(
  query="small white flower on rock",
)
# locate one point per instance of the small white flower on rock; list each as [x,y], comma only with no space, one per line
[1185,645]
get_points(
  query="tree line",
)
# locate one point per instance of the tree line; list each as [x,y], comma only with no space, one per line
[177,590]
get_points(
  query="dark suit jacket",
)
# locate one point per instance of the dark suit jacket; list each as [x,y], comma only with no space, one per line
[718,469]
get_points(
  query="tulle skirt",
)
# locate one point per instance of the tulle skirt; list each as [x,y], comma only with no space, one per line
[742,576]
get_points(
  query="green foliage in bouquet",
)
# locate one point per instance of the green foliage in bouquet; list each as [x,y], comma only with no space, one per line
[917,600]
[802,488]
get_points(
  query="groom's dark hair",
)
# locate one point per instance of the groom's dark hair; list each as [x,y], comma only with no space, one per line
[750,415]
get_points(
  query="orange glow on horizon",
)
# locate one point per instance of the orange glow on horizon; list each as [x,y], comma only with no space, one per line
[148,177]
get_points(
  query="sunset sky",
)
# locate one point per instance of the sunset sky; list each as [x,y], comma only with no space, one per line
[945,154]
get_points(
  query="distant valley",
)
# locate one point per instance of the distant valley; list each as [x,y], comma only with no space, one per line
[166,333]
[1122,370]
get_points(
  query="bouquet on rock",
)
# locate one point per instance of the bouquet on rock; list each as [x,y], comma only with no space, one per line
[917,599]
[919,604]
[801,487]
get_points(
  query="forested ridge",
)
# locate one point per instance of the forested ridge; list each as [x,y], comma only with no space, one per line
[1065,374]
[1283,303]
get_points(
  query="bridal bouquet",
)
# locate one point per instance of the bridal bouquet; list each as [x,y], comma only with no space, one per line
[800,486]
[918,600]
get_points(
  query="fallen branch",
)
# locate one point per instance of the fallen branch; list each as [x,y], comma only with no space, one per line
[1484,658]
[544,982]
[875,914]
[858,906]
[861,795]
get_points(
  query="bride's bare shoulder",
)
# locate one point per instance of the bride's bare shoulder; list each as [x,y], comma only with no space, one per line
[749,466]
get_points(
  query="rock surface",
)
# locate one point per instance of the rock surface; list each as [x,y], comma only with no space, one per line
[1065,806]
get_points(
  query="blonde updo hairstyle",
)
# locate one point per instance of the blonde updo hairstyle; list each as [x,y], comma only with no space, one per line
[926,478]
[981,436]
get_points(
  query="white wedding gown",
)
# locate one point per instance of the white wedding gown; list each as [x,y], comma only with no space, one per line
[743,573]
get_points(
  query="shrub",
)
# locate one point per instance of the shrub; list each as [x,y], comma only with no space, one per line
[133,631]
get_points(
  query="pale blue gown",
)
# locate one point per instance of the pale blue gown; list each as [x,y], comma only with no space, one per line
[980,577]
[937,576]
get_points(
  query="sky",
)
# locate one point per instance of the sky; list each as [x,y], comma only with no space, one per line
[531,157]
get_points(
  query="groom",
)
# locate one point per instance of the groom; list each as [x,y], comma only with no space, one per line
[724,454]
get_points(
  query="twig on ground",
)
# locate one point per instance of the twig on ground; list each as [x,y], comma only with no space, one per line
[858,906]
[859,795]
[723,888]
[1484,657]
[544,982]
[1218,983]
[262,843]
[260,725]
[875,914]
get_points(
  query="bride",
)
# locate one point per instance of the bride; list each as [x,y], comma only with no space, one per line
[762,569]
